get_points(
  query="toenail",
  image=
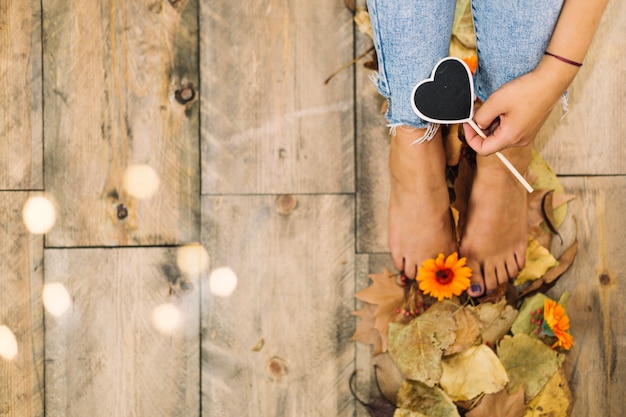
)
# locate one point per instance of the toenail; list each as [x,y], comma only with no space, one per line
[475,288]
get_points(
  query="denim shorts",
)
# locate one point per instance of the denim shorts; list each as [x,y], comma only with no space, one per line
[411,36]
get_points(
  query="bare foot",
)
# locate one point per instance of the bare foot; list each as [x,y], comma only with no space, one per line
[495,234]
[420,224]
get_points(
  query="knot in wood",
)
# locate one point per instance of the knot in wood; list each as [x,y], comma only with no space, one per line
[604,278]
[122,212]
[276,368]
[185,95]
[286,204]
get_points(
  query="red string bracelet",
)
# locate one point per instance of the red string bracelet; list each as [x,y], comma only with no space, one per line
[567,61]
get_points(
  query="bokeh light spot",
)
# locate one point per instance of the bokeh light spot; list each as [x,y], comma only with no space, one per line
[192,259]
[141,181]
[222,281]
[56,299]
[166,318]
[39,215]
[8,343]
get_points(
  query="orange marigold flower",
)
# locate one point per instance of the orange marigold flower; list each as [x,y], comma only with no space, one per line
[472,62]
[444,277]
[556,318]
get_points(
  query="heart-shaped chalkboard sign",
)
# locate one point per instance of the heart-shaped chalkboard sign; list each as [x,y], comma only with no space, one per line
[447,97]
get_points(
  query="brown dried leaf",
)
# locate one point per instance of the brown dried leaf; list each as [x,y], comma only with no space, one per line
[496,319]
[388,296]
[500,404]
[565,261]
[548,213]
[418,400]
[535,210]
[468,328]
[350,4]
[365,331]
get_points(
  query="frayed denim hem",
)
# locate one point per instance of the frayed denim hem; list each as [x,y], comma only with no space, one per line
[431,131]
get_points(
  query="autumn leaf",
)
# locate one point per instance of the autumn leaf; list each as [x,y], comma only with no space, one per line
[522,324]
[554,400]
[496,319]
[418,400]
[500,404]
[362,20]
[388,296]
[468,328]
[538,261]
[529,362]
[546,179]
[416,348]
[365,330]
[471,373]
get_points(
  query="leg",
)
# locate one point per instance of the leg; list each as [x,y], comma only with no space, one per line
[410,36]
[511,39]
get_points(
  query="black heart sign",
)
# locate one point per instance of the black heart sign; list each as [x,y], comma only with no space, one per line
[446,97]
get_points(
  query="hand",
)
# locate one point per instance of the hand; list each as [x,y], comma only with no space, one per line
[513,114]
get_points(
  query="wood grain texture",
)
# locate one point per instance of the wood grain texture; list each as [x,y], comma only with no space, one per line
[113,72]
[269,124]
[279,346]
[589,140]
[21,280]
[372,161]
[21,151]
[104,356]
[597,362]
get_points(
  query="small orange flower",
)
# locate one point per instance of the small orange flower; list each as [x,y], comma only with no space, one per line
[556,318]
[444,277]
[472,62]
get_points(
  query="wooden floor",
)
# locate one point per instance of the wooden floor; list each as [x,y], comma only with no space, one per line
[281,178]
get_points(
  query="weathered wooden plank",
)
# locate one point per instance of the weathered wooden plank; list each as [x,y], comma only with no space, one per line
[21,280]
[21,151]
[372,161]
[589,140]
[269,124]
[104,356]
[597,302]
[120,80]
[279,346]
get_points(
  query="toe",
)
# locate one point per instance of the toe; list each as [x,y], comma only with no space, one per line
[477,282]
[490,273]
[512,268]
[410,268]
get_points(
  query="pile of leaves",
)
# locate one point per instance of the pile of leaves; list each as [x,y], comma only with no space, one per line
[494,356]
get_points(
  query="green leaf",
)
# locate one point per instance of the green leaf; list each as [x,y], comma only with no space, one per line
[522,323]
[418,400]
[529,362]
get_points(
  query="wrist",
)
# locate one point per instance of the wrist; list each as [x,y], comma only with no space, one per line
[556,75]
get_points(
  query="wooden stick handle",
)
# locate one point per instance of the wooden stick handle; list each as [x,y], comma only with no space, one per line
[503,158]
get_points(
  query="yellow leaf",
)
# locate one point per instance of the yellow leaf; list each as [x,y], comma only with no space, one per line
[363,23]
[471,373]
[554,400]
[468,328]
[538,261]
